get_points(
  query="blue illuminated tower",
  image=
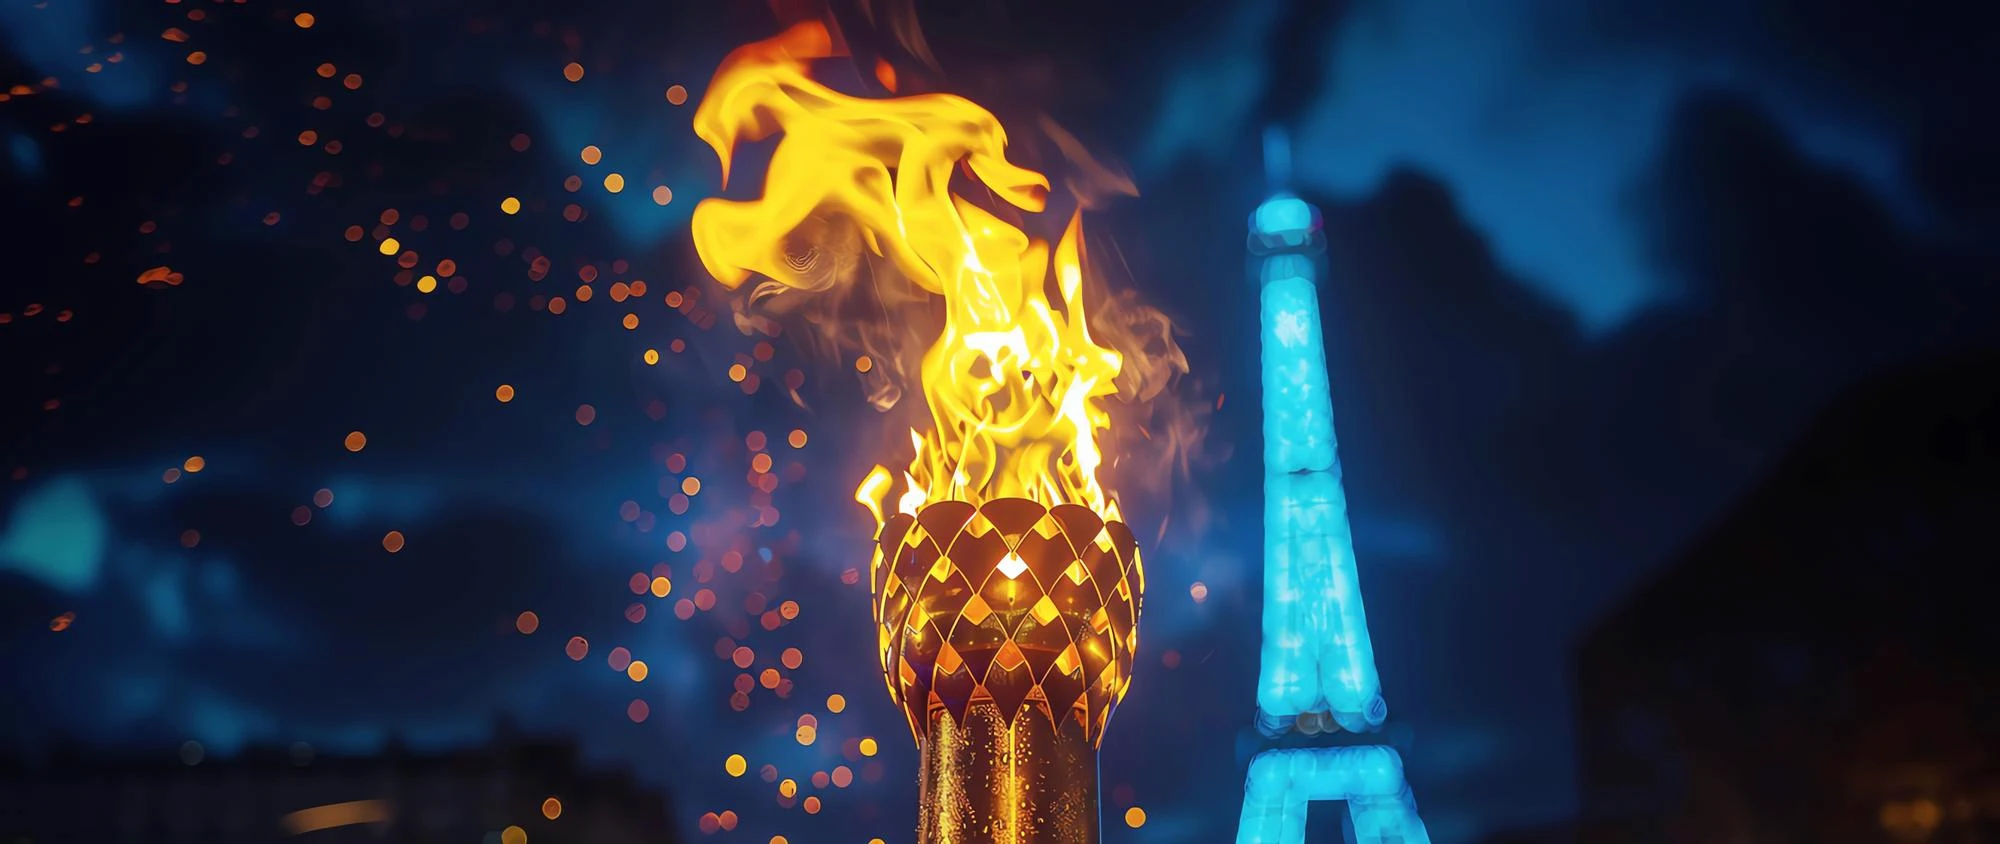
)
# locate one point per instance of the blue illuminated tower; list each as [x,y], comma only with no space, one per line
[1318,677]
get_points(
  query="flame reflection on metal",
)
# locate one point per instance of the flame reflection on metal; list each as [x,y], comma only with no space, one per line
[1008,674]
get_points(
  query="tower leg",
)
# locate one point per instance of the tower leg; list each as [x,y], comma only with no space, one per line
[1368,779]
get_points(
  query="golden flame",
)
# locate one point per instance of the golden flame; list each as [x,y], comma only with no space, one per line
[1014,381]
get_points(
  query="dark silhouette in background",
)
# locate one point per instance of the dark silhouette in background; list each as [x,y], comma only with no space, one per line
[1819,665]
[497,793]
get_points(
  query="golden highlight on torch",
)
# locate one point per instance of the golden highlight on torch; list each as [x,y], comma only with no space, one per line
[1006,588]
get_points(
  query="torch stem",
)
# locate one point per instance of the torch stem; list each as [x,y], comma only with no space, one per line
[989,779]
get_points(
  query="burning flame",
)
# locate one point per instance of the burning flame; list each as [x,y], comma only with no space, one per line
[1014,382]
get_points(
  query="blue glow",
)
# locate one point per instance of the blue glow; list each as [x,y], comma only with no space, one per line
[1298,409]
[56,535]
[1369,779]
[27,154]
[359,500]
[629,137]
[1285,216]
[1317,657]
[1213,92]
[46,36]
[224,725]
[163,594]
[1317,654]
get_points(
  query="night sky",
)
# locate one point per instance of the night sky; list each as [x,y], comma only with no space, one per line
[1593,268]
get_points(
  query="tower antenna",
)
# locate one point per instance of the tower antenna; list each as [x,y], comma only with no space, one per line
[1277,158]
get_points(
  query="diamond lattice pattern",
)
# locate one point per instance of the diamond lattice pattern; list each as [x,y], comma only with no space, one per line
[1027,605]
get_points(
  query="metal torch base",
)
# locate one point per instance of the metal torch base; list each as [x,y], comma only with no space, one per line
[991,780]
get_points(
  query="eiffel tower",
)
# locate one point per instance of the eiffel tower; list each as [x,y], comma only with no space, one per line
[1317,679]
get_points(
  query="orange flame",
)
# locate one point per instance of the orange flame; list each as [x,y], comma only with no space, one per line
[1014,381]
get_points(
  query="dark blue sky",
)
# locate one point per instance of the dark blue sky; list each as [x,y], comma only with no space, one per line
[1591,271]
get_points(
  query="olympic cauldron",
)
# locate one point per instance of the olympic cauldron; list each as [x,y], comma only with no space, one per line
[1007,635]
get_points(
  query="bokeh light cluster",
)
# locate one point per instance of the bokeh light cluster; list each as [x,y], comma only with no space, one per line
[716,512]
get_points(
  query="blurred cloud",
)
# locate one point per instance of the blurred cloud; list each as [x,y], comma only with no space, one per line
[642,138]
[49,37]
[374,499]
[56,534]
[163,594]
[1540,133]
[1452,88]
[1211,94]
[224,725]
[25,153]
